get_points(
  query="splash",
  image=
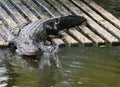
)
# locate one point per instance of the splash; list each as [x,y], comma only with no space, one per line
[49,53]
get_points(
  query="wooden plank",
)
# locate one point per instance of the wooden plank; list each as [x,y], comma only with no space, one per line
[43,13]
[23,13]
[7,36]
[9,12]
[20,19]
[97,39]
[48,5]
[96,27]
[105,14]
[3,21]
[28,13]
[56,40]
[26,3]
[101,31]
[107,25]
[3,42]
[0,22]
[68,39]
[53,5]
[80,37]
[43,8]
[9,20]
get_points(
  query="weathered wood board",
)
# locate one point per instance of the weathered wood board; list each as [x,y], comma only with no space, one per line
[56,40]
[80,37]
[100,30]
[105,14]
[3,42]
[107,25]
[68,39]
[97,39]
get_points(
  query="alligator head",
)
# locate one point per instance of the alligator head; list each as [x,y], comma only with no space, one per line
[24,48]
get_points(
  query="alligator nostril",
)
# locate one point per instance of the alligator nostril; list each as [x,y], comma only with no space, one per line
[26,43]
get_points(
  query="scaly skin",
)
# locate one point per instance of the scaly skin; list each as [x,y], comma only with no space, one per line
[29,38]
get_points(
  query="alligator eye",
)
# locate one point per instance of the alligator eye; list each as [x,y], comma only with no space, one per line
[26,43]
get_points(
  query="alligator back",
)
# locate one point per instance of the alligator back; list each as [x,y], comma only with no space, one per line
[32,31]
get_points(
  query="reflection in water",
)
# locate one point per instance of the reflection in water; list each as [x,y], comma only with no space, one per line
[49,53]
[7,75]
[47,74]
[47,77]
[19,71]
[81,67]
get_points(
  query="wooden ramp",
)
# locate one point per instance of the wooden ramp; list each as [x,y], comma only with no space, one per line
[102,29]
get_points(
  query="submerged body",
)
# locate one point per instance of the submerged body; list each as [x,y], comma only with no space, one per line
[29,38]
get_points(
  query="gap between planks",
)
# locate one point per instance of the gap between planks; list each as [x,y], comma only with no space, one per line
[68,39]
[106,24]
[107,15]
[96,27]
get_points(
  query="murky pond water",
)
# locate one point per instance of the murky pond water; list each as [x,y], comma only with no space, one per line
[80,66]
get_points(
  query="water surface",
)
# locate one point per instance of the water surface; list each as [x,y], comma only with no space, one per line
[80,67]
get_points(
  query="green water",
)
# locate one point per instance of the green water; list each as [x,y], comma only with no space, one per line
[80,67]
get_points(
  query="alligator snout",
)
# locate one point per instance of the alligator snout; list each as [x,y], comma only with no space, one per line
[28,50]
[27,53]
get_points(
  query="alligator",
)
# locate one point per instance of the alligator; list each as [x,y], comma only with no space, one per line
[30,39]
